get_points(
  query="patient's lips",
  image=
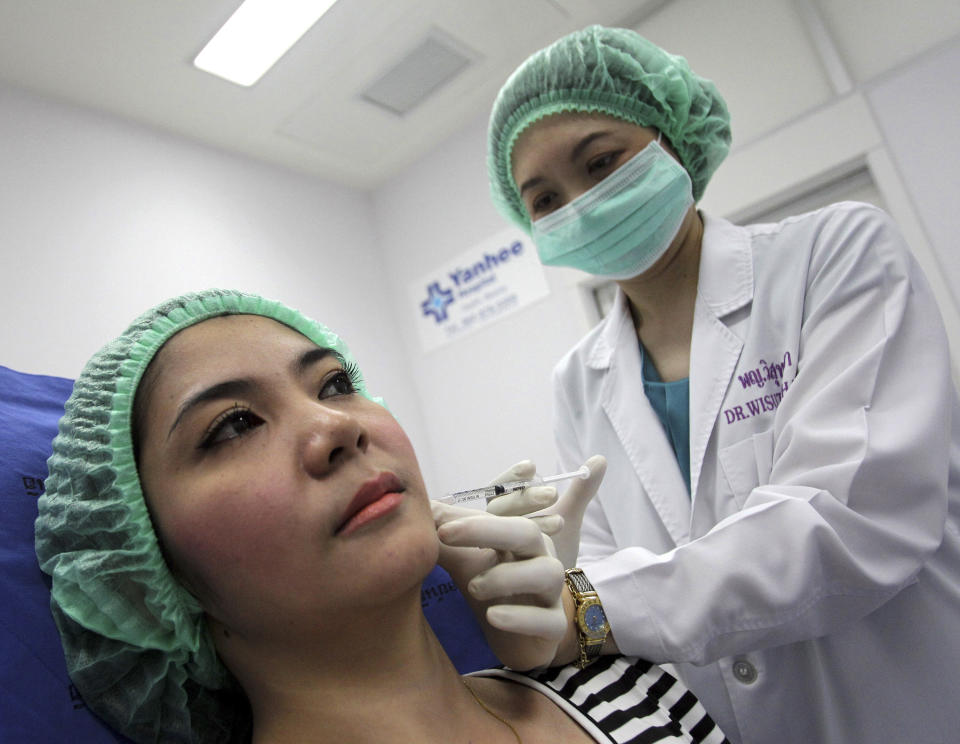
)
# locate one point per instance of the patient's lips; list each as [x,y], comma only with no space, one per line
[375,498]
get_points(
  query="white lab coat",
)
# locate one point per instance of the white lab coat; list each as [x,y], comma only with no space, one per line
[810,590]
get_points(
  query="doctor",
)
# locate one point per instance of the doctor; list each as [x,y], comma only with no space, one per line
[780,511]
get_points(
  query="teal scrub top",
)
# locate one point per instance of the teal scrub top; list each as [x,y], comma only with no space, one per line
[671,402]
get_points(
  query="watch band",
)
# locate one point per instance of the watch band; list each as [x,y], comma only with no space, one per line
[589,617]
[578,581]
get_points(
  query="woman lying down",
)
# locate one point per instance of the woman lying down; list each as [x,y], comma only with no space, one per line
[237,533]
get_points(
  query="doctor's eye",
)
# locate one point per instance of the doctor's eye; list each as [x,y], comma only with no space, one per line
[231,424]
[603,164]
[542,204]
[343,381]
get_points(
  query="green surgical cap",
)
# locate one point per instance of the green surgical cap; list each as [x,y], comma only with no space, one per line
[616,72]
[135,640]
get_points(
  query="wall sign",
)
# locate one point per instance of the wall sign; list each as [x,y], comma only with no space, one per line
[479,287]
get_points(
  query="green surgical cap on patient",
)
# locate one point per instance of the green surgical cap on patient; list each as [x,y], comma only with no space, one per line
[135,640]
[610,71]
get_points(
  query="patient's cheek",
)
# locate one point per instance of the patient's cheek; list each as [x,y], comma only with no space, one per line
[230,531]
[395,439]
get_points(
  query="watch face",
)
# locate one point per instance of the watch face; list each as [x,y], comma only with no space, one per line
[594,618]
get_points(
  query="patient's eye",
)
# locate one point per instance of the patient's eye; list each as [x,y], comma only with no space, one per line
[344,381]
[230,424]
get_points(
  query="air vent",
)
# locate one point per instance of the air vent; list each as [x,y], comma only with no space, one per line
[437,60]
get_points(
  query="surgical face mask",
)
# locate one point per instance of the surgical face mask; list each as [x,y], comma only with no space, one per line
[620,227]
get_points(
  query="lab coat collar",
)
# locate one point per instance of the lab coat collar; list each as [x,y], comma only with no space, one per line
[617,353]
[617,326]
[725,282]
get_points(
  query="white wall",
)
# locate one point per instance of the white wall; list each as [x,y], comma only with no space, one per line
[100,219]
[918,110]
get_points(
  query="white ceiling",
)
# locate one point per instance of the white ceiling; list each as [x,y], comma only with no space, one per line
[133,58]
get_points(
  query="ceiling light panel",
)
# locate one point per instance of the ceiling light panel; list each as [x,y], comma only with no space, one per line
[256,36]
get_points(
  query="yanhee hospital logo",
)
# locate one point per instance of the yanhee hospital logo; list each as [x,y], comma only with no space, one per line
[480,274]
[437,302]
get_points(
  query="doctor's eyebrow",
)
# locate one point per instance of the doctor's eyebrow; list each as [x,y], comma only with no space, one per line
[578,149]
[244,387]
[575,153]
[530,183]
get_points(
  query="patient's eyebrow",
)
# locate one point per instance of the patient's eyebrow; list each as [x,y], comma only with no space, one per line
[310,357]
[228,389]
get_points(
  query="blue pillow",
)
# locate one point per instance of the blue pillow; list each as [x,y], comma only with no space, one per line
[37,700]
[453,622]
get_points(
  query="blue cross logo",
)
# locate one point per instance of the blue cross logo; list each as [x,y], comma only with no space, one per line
[437,302]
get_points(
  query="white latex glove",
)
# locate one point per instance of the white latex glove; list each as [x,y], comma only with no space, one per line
[520,503]
[571,505]
[506,569]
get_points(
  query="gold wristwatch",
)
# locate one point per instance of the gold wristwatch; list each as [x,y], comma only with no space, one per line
[589,617]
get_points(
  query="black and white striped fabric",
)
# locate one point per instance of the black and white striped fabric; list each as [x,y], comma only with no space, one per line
[623,700]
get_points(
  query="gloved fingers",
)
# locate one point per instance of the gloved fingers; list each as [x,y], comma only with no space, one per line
[464,563]
[527,501]
[523,470]
[574,501]
[528,620]
[516,535]
[541,577]
[443,513]
[475,560]
[571,506]
[549,525]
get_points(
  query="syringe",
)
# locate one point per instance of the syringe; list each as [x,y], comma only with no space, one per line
[478,498]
